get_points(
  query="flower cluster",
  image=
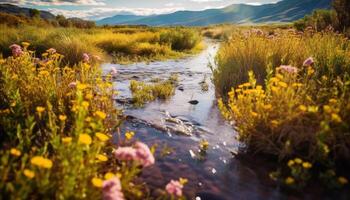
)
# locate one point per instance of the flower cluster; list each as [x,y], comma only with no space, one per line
[139,153]
[16,50]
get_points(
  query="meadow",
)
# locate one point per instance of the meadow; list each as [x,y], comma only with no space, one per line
[287,93]
[119,45]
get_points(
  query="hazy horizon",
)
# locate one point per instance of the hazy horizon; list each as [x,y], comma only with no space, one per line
[98,9]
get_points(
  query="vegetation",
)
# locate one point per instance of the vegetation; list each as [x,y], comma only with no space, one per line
[35,20]
[123,44]
[57,124]
[143,92]
[288,95]
[338,19]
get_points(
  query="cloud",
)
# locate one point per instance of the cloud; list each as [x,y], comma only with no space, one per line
[102,12]
[56,2]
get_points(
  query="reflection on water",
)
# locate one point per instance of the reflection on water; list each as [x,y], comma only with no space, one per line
[215,175]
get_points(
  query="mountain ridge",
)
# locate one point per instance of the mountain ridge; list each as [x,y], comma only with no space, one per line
[282,11]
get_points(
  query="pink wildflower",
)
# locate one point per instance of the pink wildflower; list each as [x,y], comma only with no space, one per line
[289,69]
[144,154]
[112,189]
[114,72]
[308,62]
[16,50]
[86,57]
[72,84]
[125,153]
[51,51]
[174,188]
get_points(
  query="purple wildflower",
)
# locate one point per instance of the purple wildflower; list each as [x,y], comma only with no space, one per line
[289,69]
[308,62]
[112,189]
[86,57]
[16,50]
[174,188]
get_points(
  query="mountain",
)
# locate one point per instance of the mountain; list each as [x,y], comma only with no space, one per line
[119,19]
[12,9]
[282,11]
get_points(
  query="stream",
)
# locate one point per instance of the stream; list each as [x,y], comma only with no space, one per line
[177,127]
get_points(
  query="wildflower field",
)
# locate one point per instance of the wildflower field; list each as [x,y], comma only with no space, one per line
[287,93]
[57,127]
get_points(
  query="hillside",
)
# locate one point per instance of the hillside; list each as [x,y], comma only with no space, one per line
[283,11]
[16,10]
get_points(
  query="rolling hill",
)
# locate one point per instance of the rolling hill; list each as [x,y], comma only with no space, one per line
[16,10]
[282,11]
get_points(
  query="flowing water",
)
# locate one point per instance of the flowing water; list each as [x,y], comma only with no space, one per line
[177,127]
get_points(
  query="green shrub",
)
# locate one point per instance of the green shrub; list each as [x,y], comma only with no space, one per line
[180,39]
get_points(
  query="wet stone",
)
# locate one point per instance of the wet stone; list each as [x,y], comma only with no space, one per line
[194,102]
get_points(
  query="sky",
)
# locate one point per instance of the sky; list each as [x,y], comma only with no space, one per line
[97,9]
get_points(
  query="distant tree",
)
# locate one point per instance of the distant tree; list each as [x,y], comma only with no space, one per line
[34,13]
[62,21]
[342,7]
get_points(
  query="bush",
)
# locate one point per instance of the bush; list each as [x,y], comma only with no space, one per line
[180,39]
[319,20]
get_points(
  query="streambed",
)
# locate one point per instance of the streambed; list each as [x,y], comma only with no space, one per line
[177,127]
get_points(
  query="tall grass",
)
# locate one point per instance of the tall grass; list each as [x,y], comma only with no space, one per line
[282,106]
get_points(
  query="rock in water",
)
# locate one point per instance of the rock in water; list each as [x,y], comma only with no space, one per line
[193,102]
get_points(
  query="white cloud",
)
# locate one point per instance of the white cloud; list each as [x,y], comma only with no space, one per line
[56,2]
[102,12]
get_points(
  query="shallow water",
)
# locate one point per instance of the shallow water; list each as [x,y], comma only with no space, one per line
[216,174]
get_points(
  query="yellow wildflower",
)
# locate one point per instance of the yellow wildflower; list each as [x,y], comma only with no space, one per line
[89,96]
[88,119]
[15,152]
[67,140]
[129,135]
[29,173]
[302,108]
[307,165]
[291,163]
[289,180]
[85,139]
[81,86]
[100,114]
[44,73]
[109,175]
[336,118]
[25,44]
[40,109]
[85,104]
[282,84]
[279,76]
[246,84]
[62,117]
[342,180]
[298,160]
[327,109]
[41,162]
[102,157]
[333,101]
[97,182]
[254,114]
[267,107]
[102,137]
[183,181]
[274,123]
